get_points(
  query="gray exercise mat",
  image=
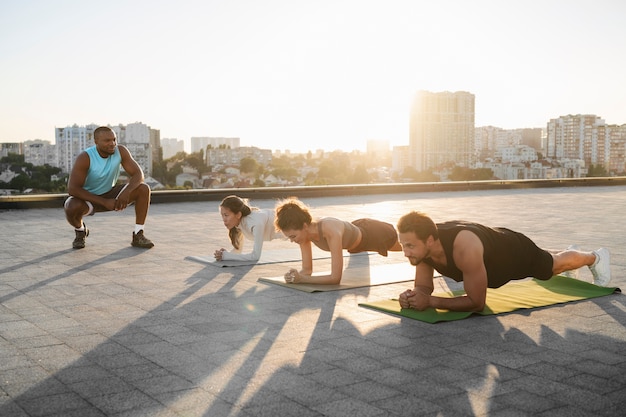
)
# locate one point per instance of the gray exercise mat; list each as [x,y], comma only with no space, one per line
[269,257]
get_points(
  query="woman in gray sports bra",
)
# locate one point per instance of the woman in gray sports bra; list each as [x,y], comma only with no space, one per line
[332,235]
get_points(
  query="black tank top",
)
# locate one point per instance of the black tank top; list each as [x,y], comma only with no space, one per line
[505,254]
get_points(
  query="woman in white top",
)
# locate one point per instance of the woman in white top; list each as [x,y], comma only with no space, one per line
[244,221]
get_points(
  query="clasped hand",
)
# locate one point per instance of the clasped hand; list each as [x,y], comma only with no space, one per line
[218,254]
[121,202]
[415,298]
[292,277]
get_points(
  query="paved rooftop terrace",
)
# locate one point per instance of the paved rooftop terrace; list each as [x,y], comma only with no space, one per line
[111,330]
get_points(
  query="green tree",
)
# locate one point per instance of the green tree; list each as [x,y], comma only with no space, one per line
[419,176]
[20,182]
[13,158]
[360,175]
[196,161]
[467,174]
[248,165]
[596,171]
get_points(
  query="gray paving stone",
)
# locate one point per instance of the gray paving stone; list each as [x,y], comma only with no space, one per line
[112,330]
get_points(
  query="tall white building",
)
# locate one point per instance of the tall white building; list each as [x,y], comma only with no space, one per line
[441,129]
[138,138]
[70,142]
[201,143]
[400,158]
[40,152]
[581,136]
[171,147]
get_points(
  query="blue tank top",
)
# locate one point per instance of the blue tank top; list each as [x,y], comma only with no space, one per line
[103,172]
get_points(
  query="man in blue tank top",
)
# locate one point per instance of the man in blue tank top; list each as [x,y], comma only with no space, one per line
[93,187]
[481,257]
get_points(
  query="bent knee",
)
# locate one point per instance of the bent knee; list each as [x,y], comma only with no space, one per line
[75,207]
[144,189]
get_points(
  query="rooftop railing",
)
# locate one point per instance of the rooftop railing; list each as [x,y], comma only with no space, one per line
[33,201]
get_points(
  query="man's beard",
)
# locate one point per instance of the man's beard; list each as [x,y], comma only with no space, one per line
[414,261]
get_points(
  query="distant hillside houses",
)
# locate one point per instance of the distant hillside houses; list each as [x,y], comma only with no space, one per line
[233,156]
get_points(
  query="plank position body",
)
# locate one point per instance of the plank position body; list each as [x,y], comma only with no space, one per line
[481,257]
[244,221]
[330,234]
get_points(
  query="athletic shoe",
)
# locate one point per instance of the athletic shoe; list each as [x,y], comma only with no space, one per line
[79,241]
[601,268]
[572,273]
[140,241]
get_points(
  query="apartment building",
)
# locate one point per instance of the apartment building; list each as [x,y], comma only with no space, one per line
[171,147]
[199,143]
[40,152]
[441,129]
[223,156]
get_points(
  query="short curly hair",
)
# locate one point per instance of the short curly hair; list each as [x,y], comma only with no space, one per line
[292,214]
[420,224]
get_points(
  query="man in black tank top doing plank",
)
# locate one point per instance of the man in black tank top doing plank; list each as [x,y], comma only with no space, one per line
[481,257]
[330,234]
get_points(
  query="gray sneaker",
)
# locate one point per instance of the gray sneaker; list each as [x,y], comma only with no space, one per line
[601,268]
[79,240]
[140,241]
[573,273]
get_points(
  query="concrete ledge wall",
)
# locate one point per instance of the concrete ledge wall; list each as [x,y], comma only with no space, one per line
[20,202]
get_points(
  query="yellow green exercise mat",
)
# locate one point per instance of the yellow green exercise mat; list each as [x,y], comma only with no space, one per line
[512,296]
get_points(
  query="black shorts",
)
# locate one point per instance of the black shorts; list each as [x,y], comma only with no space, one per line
[376,236]
[524,259]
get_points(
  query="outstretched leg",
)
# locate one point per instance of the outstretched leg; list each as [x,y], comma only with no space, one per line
[598,261]
[571,259]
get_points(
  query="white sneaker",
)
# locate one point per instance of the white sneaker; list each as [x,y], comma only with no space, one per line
[573,273]
[601,268]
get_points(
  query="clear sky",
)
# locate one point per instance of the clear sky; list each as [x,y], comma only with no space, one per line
[303,74]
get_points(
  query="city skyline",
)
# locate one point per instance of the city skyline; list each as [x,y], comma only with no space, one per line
[299,75]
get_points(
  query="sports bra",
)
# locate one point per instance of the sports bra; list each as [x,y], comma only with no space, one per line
[350,235]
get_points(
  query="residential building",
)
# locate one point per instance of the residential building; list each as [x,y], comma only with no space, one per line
[70,142]
[40,152]
[516,153]
[171,147]
[201,143]
[441,129]
[489,140]
[139,139]
[581,136]
[11,147]
[617,149]
[379,148]
[233,156]
[400,159]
